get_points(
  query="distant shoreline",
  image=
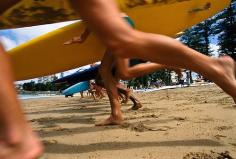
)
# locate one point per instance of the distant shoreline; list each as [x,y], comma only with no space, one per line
[39,92]
[36,96]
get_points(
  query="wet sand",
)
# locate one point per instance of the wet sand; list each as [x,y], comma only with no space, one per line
[196,122]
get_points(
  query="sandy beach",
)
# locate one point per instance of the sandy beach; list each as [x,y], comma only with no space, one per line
[178,123]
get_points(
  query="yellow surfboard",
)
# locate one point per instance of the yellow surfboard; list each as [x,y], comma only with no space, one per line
[35,12]
[47,55]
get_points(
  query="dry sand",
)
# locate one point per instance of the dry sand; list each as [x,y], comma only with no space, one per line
[196,122]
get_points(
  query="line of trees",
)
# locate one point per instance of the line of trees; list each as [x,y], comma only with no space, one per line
[48,86]
[225,29]
[222,27]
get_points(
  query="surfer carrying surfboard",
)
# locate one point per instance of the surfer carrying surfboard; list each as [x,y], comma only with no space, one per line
[125,42]
[102,16]
[111,72]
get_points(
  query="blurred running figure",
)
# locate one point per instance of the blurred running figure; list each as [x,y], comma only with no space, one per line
[113,69]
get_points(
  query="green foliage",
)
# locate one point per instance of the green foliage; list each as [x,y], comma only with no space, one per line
[225,29]
[144,81]
[197,37]
[140,81]
[32,86]
[163,75]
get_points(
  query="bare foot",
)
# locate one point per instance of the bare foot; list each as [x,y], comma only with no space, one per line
[226,77]
[136,106]
[111,121]
[29,147]
[127,96]
[102,96]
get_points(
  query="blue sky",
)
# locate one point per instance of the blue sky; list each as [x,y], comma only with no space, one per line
[12,38]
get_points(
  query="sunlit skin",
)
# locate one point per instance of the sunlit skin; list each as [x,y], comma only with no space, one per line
[114,90]
[124,93]
[103,18]
[123,72]
[123,90]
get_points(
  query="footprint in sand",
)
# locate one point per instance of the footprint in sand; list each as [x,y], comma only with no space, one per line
[42,120]
[218,136]
[141,127]
[211,155]
[222,128]
[180,118]
[49,142]
[51,129]
[197,155]
[233,144]
[60,129]
[143,116]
